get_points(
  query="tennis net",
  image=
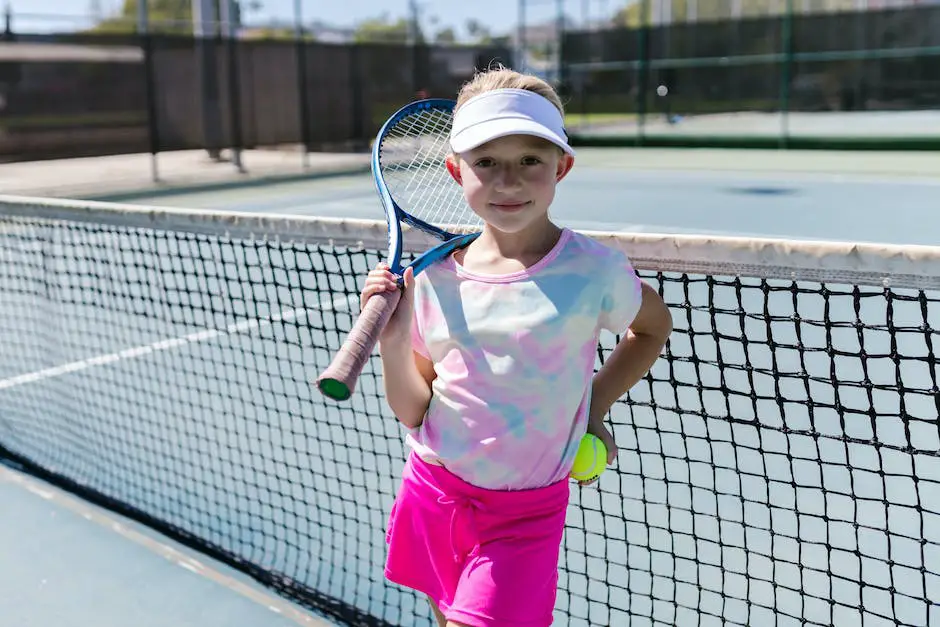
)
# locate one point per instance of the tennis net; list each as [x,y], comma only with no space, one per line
[779,464]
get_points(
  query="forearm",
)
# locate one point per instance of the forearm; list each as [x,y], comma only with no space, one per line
[628,363]
[406,391]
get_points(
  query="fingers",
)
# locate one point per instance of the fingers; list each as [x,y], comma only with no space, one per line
[409,281]
[380,279]
[600,430]
[381,271]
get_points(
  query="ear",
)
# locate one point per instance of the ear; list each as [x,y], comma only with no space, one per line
[564,166]
[454,168]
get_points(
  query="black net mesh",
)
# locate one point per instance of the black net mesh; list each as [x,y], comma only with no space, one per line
[779,464]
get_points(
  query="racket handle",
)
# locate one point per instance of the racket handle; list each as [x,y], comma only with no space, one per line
[339,379]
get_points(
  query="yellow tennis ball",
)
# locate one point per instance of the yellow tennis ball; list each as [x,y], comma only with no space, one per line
[591,459]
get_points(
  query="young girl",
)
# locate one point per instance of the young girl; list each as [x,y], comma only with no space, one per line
[489,362]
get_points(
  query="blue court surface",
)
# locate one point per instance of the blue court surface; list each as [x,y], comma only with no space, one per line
[70,564]
[600,194]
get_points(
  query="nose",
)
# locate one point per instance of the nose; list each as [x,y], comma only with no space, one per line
[509,177]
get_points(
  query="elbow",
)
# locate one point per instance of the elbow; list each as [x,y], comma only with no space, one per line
[411,413]
[408,394]
[657,337]
[654,320]
[411,422]
[658,331]
[666,329]
[662,328]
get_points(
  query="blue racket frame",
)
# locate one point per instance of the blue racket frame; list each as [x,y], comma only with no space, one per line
[395,215]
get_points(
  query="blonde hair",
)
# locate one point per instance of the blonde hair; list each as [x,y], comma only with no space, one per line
[500,77]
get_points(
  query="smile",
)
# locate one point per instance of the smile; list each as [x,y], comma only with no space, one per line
[510,206]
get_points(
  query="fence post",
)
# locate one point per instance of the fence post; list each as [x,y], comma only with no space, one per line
[303,101]
[785,73]
[229,32]
[419,74]
[153,128]
[521,38]
[560,38]
[357,94]
[206,63]
[643,70]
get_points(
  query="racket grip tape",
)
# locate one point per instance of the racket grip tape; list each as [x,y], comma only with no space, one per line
[339,379]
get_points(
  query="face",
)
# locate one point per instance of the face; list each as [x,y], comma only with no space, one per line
[510,181]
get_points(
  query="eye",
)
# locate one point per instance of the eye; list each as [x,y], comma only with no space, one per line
[485,162]
[531,160]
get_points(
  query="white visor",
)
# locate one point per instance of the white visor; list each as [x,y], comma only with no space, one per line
[503,112]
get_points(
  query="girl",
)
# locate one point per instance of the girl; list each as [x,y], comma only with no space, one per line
[488,361]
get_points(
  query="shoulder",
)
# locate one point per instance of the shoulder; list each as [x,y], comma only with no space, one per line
[591,252]
[440,269]
[434,279]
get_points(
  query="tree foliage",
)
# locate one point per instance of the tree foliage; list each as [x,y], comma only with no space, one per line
[632,13]
[166,16]
[382,30]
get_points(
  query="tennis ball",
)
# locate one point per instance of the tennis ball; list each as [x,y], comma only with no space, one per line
[591,459]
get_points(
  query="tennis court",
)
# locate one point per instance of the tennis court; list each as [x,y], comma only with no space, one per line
[609,190]
[868,124]
[68,562]
[779,465]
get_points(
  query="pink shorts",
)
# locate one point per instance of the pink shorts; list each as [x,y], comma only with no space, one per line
[486,557]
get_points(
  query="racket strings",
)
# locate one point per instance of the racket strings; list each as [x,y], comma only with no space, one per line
[413,156]
[426,137]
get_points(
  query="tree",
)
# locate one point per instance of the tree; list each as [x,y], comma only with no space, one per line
[275,32]
[382,30]
[631,14]
[445,36]
[167,16]
[478,32]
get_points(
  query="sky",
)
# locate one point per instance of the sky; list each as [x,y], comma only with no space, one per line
[500,16]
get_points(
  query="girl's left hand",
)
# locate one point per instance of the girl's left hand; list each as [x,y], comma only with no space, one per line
[599,430]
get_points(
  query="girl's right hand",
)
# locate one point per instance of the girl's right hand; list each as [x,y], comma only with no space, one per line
[381,279]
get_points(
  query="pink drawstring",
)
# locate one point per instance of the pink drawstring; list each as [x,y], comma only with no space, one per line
[459,503]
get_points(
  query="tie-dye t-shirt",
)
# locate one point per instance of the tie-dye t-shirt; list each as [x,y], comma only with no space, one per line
[514,356]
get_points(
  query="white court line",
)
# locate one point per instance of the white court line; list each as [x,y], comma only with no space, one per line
[339,304]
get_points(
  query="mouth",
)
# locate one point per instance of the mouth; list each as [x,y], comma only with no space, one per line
[510,205]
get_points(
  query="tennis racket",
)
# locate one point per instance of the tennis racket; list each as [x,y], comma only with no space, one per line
[417,192]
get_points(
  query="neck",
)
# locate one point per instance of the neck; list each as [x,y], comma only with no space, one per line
[535,239]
